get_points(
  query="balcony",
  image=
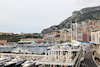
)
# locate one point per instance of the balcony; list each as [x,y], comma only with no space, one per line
[97,43]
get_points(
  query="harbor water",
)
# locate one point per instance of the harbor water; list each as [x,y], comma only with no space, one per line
[35,50]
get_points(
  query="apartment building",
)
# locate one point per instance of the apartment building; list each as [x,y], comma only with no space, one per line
[95,39]
[57,38]
[63,35]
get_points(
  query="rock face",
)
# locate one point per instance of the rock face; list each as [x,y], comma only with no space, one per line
[85,10]
[82,15]
[75,13]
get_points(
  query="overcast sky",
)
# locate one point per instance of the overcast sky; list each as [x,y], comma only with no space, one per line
[32,16]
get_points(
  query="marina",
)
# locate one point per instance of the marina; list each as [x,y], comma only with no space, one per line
[36,33]
[62,55]
[66,55]
[35,50]
[17,60]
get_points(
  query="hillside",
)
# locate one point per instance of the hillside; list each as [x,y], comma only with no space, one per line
[82,15]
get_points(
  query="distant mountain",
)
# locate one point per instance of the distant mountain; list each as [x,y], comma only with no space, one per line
[82,15]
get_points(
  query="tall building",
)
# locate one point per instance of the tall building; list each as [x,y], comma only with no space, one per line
[95,39]
[86,37]
[63,35]
[57,38]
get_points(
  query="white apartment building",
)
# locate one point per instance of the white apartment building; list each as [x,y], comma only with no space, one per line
[95,39]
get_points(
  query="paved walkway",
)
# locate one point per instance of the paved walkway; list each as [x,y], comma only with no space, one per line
[89,61]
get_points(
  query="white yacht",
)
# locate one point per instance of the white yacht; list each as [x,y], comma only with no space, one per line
[43,44]
[68,54]
[28,63]
[26,43]
[40,45]
[14,61]
[8,45]
[4,59]
[1,63]
[20,50]
[47,44]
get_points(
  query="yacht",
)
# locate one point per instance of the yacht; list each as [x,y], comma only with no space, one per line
[43,44]
[26,43]
[28,63]
[14,62]
[68,54]
[1,63]
[40,45]
[20,50]
[47,44]
[8,45]
[4,59]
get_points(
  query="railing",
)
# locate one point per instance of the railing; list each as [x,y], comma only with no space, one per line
[22,55]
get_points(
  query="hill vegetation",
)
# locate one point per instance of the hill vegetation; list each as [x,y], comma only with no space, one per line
[82,15]
[10,38]
[16,38]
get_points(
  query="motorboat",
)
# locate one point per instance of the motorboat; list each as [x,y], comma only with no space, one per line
[47,44]
[1,63]
[8,46]
[43,45]
[16,61]
[40,45]
[20,62]
[4,59]
[28,63]
[20,50]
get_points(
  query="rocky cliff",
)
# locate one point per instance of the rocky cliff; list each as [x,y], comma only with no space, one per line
[82,15]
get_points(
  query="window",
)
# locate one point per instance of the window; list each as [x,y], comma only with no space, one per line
[97,37]
[93,37]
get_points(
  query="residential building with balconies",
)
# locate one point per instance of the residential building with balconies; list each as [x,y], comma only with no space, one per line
[95,40]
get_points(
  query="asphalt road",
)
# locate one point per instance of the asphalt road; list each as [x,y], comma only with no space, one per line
[88,60]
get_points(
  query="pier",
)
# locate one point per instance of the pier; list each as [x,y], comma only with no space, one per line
[22,55]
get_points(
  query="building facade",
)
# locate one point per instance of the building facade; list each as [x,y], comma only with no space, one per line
[63,35]
[3,41]
[95,39]
[86,37]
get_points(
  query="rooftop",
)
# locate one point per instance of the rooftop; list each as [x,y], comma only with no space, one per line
[62,54]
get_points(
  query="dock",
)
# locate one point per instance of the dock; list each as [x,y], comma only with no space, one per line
[22,55]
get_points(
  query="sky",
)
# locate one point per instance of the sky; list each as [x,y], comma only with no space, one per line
[32,16]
